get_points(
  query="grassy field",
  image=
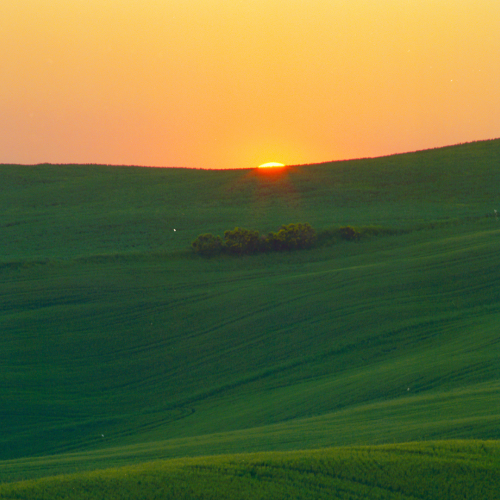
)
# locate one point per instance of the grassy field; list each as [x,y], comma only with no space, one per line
[452,470]
[119,346]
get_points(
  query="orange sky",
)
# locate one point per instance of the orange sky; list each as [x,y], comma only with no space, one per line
[237,83]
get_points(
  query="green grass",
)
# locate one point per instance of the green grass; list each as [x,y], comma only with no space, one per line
[452,470]
[119,346]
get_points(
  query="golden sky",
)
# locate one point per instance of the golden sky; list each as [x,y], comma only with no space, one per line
[237,83]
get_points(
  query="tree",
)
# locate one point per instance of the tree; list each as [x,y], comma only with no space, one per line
[207,244]
[241,241]
[292,236]
[349,233]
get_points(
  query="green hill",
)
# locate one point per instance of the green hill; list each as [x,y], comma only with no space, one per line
[119,346]
[452,470]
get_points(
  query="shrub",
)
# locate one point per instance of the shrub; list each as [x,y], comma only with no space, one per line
[207,244]
[349,233]
[292,236]
[241,241]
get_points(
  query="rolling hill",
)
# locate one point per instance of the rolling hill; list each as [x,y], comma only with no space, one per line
[120,346]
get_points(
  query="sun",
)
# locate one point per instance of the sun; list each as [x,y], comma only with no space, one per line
[271,165]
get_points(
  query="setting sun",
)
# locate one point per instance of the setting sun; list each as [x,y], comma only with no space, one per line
[271,164]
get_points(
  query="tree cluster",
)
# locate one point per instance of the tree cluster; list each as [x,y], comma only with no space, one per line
[241,241]
[297,236]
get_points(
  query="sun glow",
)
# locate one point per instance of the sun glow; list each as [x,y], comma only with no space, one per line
[83,87]
[271,165]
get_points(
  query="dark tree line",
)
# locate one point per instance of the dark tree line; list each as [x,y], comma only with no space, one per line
[241,241]
[297,236]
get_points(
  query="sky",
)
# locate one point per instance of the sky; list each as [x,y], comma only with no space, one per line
[233,84]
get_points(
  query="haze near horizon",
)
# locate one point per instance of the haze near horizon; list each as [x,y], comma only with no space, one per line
[229,84]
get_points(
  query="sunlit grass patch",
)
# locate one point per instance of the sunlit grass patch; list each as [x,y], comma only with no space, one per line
[452,470]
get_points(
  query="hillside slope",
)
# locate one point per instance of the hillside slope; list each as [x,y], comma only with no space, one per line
[452,470]
[115,337]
